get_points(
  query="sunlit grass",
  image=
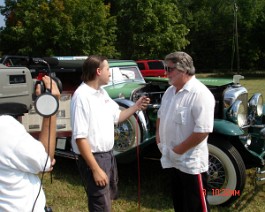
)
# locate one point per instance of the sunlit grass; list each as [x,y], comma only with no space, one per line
[66,192]
[254,82]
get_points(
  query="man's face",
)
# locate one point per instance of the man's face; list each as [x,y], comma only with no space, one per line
[105,73]
[175,76]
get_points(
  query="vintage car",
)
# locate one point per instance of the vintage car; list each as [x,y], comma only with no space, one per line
[126,80]
[236,144]
[238,139]
[125,86]
[152,68]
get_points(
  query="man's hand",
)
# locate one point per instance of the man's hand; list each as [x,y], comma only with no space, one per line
[142,103]
[50,86]
[52,165]
[100,177]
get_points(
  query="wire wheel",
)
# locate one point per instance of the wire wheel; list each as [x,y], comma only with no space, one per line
[226,173]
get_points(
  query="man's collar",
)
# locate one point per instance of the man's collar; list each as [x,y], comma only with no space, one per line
[93,90]
[189,85]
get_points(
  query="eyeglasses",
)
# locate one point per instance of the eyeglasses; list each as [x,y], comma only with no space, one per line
[170,69]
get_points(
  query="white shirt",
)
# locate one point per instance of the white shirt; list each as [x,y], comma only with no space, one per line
[21,158]
[93,115]
[189,110]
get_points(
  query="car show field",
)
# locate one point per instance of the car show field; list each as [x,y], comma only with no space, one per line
[150,193]
[236,146]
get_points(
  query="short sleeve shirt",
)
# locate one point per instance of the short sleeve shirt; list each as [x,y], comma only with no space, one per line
[93,116]
[189,110]
[22,157]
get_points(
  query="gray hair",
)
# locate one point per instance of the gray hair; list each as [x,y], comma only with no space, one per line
[182,61]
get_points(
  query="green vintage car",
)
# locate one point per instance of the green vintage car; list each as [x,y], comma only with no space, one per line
[238,139]
[125,86]
[236,144]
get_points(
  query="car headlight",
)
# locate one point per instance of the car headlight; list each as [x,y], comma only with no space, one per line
[256,104]
[237,113]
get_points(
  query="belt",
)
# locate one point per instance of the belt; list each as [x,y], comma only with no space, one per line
[97,153]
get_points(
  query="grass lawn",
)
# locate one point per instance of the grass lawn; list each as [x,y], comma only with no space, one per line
[152,192]
[65,192]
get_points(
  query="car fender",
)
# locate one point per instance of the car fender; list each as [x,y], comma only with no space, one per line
[139,114]
[226,128]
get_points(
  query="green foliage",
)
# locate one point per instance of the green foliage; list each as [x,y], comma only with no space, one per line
[219,34]
[149,28]
[58,27]
[211,31]
[212,36]
[252,33]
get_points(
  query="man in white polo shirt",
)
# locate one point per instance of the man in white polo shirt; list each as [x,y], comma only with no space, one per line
[185,119]
[93,115]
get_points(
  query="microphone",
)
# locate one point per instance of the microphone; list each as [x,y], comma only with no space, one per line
[39,60]
[51,61]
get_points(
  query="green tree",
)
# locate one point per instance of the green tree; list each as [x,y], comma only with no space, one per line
[58,27]
[223,33]
[252,33]
[149,28]
[211,31]
[139,29]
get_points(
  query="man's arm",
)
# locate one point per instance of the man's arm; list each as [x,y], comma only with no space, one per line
[48,132]
[193,140]
[141,104]
[100,177]
[48,135]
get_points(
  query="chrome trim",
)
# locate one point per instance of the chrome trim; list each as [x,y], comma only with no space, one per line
[232,93]
[236,114]
[256,105]
[237,78]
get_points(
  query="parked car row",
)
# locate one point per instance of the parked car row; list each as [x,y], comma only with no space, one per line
[236,144]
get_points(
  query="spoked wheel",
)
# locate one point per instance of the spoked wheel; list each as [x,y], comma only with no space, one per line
[127,135]
[226,173]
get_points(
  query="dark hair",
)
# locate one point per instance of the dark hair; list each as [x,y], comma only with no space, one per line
[90,66]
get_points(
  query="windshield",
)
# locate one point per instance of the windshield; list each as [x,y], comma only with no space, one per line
[125,74]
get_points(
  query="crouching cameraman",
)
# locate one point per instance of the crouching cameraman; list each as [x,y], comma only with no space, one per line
[22,157]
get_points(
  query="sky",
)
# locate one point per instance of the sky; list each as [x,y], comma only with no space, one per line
[2,23]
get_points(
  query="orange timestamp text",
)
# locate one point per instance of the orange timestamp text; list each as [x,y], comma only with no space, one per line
[222,192]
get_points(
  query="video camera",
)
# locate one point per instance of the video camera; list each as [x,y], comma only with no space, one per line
[17,92]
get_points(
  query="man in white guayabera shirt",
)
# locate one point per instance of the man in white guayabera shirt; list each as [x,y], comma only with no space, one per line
[185,119]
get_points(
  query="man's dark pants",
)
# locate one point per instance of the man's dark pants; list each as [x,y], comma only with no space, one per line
[99,198]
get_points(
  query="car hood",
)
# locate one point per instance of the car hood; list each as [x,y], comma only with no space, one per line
[206,81]
[122,89]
